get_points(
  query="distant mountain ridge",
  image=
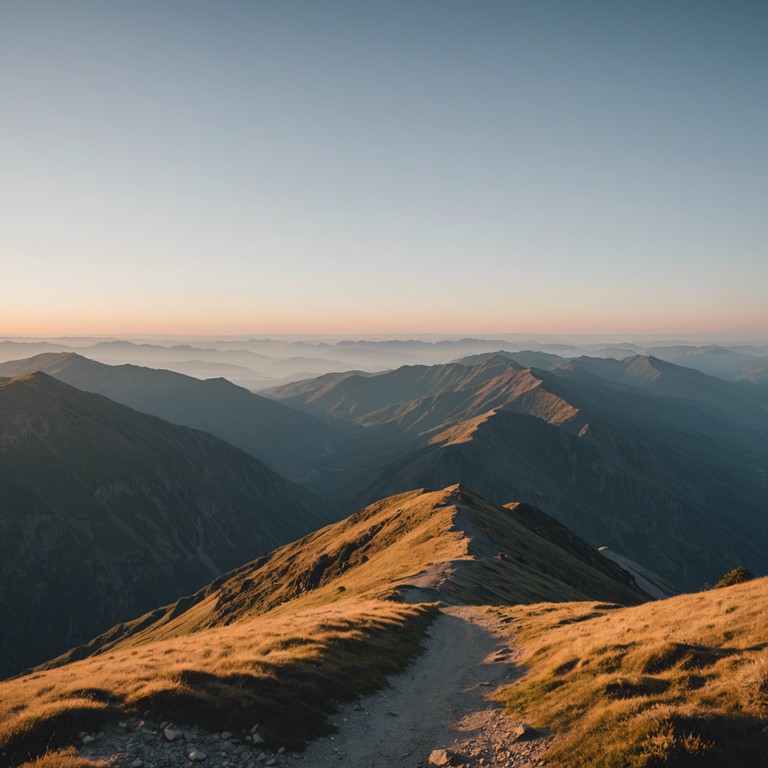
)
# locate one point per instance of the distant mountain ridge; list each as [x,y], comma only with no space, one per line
[281,437]
[639,454]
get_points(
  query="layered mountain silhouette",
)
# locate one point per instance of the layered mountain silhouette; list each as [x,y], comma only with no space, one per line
[107,512]
[286,440]
[661,463]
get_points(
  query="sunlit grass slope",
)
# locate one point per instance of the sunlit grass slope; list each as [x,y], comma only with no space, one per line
[63,758]
[283,672]
[498,555]
[680,682]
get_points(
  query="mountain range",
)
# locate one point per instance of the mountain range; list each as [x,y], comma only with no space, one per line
[159,565]
[261,363]
[662,463]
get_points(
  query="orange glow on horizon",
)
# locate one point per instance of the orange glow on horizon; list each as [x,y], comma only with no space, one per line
[405,324]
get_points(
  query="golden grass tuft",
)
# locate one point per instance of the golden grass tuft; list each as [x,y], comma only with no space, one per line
[678,682]
[63,758]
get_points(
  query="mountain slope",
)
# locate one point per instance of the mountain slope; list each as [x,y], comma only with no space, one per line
[284,439]
[354,397]
[677,682]
[107,512]
[607,489]
[527,358]
[276,640]
[664,378]
[487,554]
[712,359]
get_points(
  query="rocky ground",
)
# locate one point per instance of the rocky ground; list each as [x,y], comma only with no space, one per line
[439,712]
[143,744]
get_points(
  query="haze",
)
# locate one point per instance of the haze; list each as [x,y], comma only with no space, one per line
[529,167]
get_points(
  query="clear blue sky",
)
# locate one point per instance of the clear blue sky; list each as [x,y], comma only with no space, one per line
[247,167]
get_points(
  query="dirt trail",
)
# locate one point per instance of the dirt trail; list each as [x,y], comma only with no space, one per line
[440,702]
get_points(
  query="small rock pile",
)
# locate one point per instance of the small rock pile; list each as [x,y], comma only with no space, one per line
[523,751]
[137,743]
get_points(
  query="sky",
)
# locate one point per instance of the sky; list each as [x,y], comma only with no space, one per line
[227,167]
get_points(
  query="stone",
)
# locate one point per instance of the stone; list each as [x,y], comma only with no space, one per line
[523,732]
[255,728]
[271,761]
[226,735]
[441,757]
[257,738]
[281,750]
[137,763]
[88,739]
[123,724]
[172,734]
[197,756]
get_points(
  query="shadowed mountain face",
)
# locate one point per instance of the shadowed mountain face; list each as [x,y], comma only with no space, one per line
[661,463]
[107,512]
[284,439]
[450,545]
[712,359]
[663,378]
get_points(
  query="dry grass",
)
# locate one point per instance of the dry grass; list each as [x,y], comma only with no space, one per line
[367,556]
[679,682]
[284,672]
[63,758]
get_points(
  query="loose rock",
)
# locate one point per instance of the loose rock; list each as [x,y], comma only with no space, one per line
[442,757]
[524,732]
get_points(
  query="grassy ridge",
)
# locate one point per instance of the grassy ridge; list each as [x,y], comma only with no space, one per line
[376,551]
[679,682]
[284,672]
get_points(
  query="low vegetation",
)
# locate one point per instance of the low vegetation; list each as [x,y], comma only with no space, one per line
[284,672]
[737,576]
[63,758]
[679,682]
